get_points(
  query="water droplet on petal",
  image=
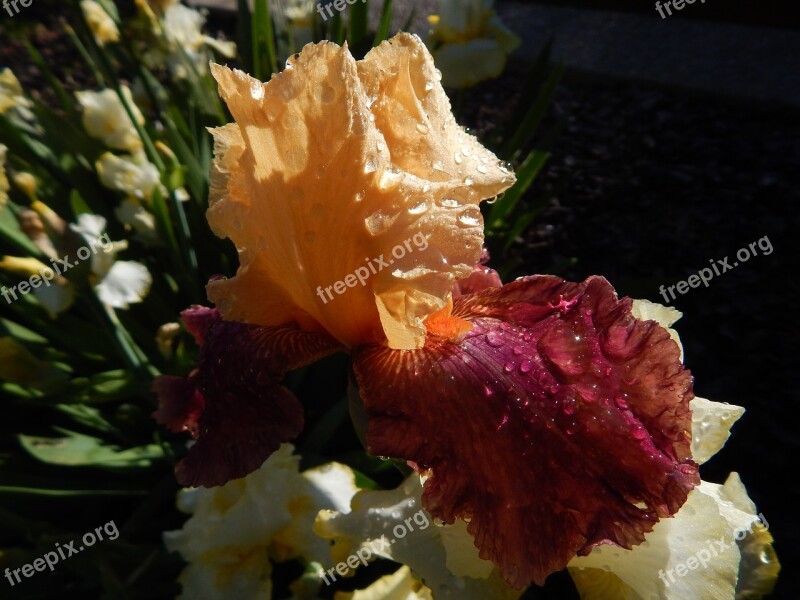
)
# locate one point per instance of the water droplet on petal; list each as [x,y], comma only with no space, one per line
[256,89]
[447,203]
[494,340]
[379,221]
[509,366]
[482,169]
[525,366]
[422,128]
[419,209]
[620,402]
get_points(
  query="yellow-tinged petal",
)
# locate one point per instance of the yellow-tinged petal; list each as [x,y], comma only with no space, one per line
[100,22]
[336,168]
[4,187]
[693,555]
[400,585]
[666,316]
[391,524]
[711,421]
[711,426]
[25,266]
[464,64]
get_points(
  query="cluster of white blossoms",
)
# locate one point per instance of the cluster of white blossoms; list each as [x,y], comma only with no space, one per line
[106,118]
[238,530]
[116,283]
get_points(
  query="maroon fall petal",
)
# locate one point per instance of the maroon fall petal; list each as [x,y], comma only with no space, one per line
[558,422]
[180,404]
[232,402]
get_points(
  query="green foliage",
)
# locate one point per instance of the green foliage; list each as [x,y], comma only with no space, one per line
[75,385]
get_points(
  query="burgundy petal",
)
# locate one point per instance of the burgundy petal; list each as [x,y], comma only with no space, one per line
[180,403]
[556,423]
[232,402]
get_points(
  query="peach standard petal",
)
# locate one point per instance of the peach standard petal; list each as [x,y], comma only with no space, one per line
[328,168]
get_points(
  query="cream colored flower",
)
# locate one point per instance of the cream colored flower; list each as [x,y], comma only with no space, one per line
[4,187]
[694,555]
[105,118]
[400,585]
[132,174]
[237,528]
[469,42]
[183,29]
[103,27]
[133,215]
[699,553]
[12,98]
[391,524]
[117,283]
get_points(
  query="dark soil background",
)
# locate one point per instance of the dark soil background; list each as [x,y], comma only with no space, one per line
[648,185]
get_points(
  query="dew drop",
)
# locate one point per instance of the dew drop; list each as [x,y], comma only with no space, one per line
[419,209]
[370,165]
[447,203]
[359,196]
[422,128]
[494,340]
[509,366]
[379,221]
[482,169]
[517,350]
[468,181]
[438,166]
[429,85]
[525,366]
[256,89]
[639,434]
[457,158]
[469,218]
[620,402]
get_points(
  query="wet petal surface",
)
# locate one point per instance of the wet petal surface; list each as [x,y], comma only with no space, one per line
[233,403]
[556,423]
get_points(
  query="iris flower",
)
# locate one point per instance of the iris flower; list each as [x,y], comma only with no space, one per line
[543,413]
[469,42]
